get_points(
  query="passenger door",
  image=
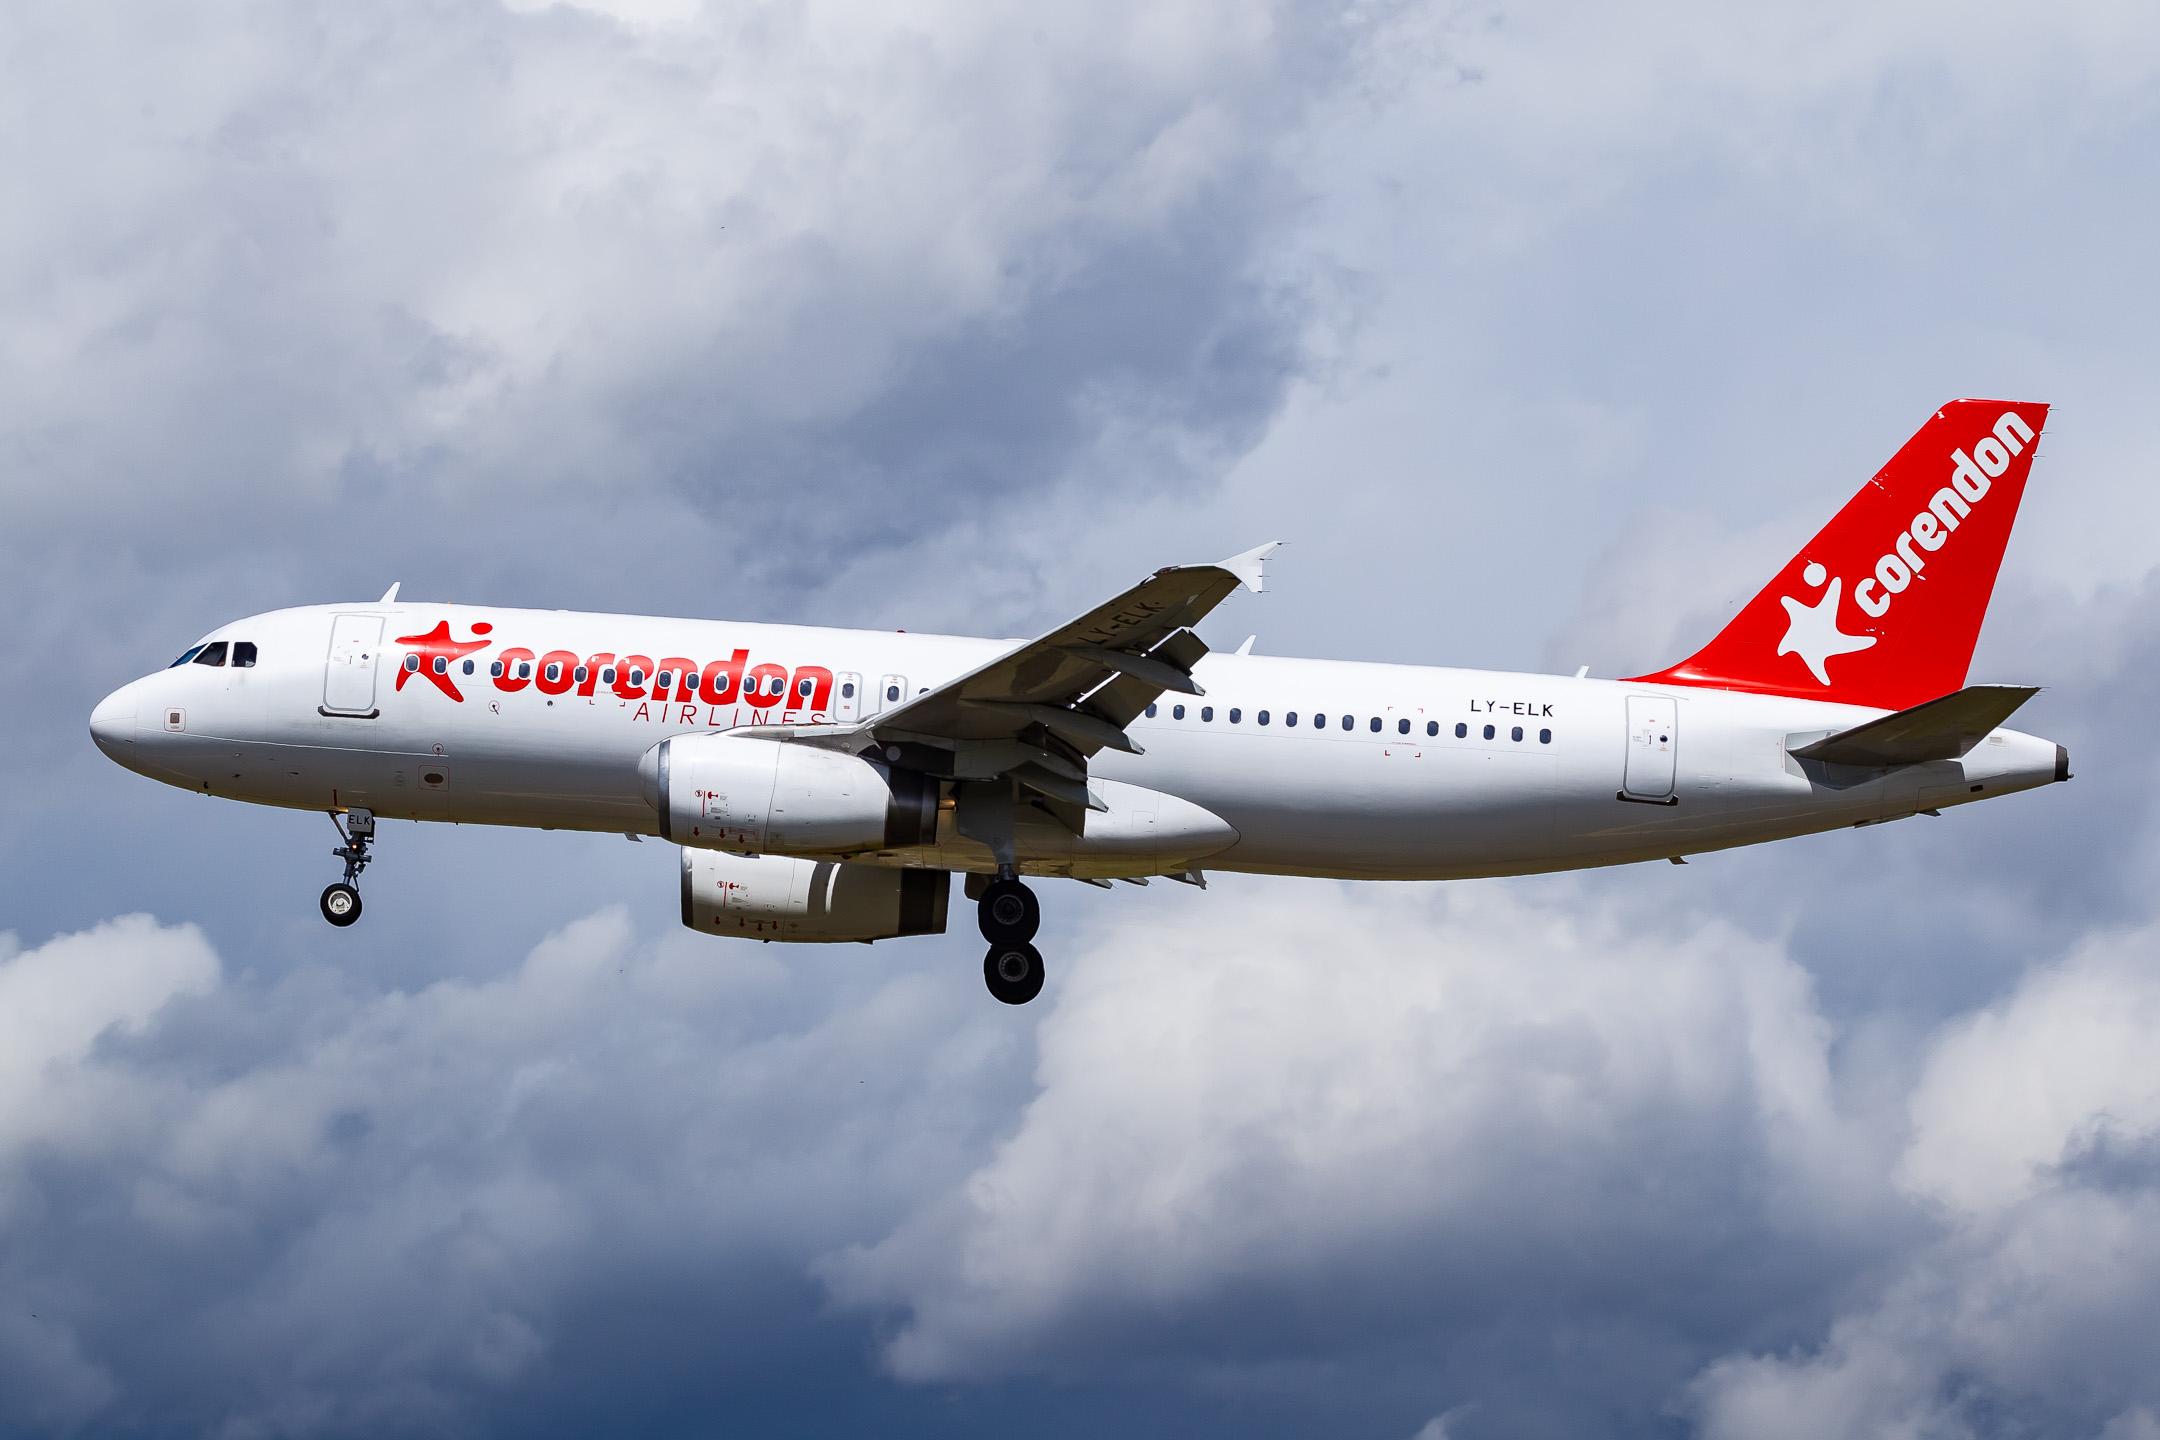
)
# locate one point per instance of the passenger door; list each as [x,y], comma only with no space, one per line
[355,657]
[1653,746]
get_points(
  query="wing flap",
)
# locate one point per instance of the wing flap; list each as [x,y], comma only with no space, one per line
[1941,729]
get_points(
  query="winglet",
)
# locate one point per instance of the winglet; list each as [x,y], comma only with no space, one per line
[1251,567]
[391,593]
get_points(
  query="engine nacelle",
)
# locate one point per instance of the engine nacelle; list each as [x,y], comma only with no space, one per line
[723,792]
[781,897]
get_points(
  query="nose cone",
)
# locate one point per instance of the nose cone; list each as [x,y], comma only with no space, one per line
[112,725]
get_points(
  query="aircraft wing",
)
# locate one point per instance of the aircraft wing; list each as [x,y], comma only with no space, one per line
[1038,711]
[1941,729]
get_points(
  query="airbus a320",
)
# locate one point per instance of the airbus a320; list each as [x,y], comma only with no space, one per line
[826,784]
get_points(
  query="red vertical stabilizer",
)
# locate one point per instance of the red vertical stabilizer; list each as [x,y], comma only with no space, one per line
[1883,607]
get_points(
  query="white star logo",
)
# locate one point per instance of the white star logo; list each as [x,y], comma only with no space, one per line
[1813,634]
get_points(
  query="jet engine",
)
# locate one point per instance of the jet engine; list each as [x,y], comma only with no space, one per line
[724,792]
[781,897]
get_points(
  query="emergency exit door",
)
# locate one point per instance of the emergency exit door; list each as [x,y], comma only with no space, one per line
[1653,746]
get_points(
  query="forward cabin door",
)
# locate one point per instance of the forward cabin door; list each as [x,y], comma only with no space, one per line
[1653,745]
[847,697]
[355,657]
[891,690]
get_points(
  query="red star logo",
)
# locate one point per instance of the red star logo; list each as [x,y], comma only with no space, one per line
[438,642]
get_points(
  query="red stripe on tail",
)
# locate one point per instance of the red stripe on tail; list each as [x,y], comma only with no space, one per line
[1884,606]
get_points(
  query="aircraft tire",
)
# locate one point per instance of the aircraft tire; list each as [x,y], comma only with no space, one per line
[1008,913]
[1014,973]
[340,904]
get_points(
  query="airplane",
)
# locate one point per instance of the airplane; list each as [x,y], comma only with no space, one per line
[825,784]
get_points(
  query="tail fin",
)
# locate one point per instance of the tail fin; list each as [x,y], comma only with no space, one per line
[1883,607]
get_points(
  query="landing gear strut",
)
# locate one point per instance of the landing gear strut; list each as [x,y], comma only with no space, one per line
[1009,917]
[341,902]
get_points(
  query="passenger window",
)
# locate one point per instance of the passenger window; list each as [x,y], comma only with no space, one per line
[637,677]
[1488,732]
[1462,731]
[1290,719]
[553,672]
[805,688]
[468,667]
[664,680]
[1402,727]
[495,668]
[1234,715]
[607,674]
[847,691]
[1319,722]
[442,664]
[412,664]
[1376,724]
[1516,733]
[892,692]
[578,674]
[1177,712]
[1544,737]
[1207,712]
[243,654]
[185,656]
[524,669]
[1151,712]
[1349,722]
[1263,717]
[212,654]
[1432,727]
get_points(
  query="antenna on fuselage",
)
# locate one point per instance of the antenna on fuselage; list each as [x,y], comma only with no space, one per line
[391,593]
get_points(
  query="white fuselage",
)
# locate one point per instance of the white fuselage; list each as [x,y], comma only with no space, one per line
[1574,772]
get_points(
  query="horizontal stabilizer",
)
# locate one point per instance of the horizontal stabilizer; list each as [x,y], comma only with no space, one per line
[1942,729]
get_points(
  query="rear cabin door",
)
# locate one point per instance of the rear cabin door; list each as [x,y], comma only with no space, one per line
[847,697]
[891,690]
[1653,744]
[355,657]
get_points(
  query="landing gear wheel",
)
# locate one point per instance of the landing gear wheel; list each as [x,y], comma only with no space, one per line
[341,904]
[1008,913]
[1014,973]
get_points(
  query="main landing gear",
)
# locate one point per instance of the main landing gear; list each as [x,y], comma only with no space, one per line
[341,902]
[1009,917]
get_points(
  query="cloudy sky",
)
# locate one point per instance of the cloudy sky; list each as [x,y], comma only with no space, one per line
[1543,332]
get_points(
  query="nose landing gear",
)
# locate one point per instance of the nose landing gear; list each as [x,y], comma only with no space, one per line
[341,901]
[1009,916]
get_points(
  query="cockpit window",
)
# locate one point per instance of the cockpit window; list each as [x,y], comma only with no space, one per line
[243,653]
[185,657]
[212,654]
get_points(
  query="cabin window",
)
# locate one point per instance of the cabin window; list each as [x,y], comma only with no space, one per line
[1462,731]
[1151,712]
[468,667]
[1432,727]
[243,654]
[805,687]
[847,691]
[1234,713]
[689,682]
[553,672]
[1488,732]
[412,663]
[664,680]
[524,669]
[579,674]
[495,669]
[1262,717]
[442,665]
[892,692]
[1402,727]
[1515,734]
[1544,737]
[1177,712]
[185,656]
[1207,712]
[637,677]
[607,674]
[1349,722]
[1319,722]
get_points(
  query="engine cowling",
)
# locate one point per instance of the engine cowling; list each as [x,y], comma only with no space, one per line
[724,792]
[784,897]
